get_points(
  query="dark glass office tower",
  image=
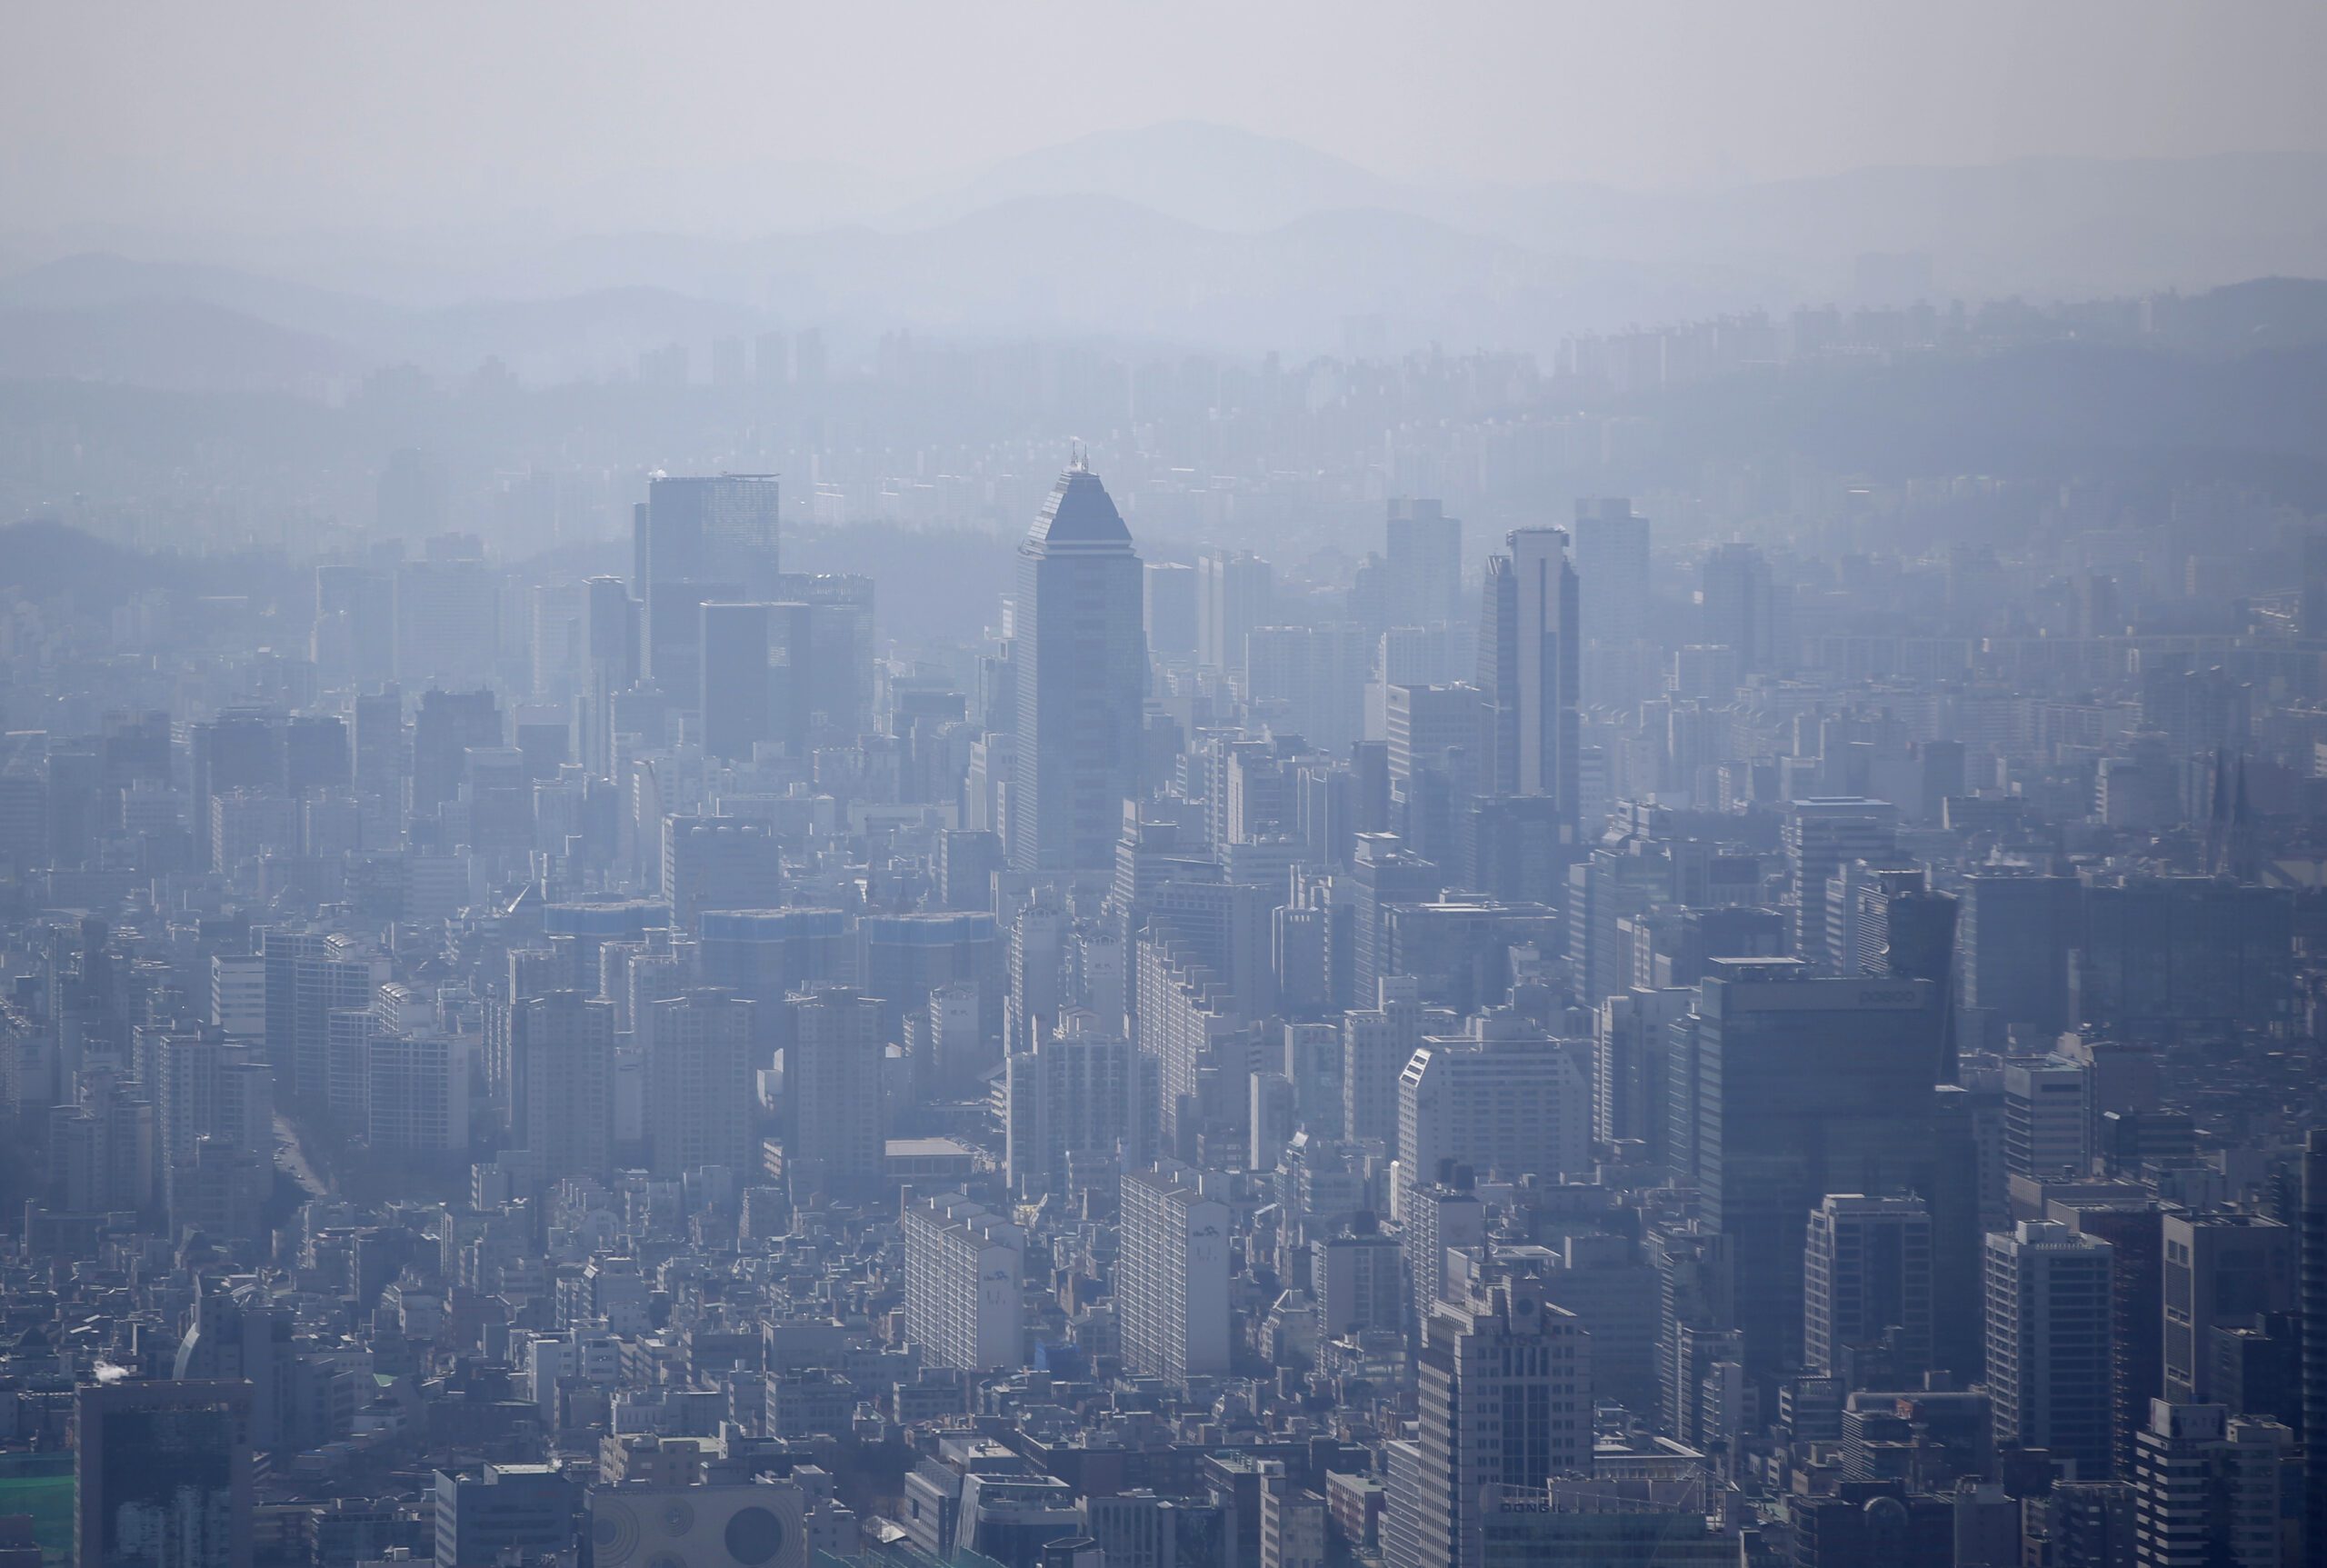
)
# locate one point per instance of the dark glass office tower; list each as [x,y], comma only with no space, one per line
[699,540]
[1800,1087]
[162,1474]
[1528,671]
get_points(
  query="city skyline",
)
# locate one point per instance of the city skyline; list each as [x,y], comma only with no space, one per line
[1647,883]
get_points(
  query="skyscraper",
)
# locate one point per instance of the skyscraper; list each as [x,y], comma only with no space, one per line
[1612,603]
[699,540]
[162,1474]
[564,1048]
[2050,1344]
[757,664]
[1800,1087]
[1739,606]
[1527,670]
[1867,1284]
[610,664]
[1171,605]
[1235,592]
[1500,1098]
[1081,658]
[1820,835]
[1423,550]
[699,1089]
[2207,1488]
[832,1068]
[1505,1399]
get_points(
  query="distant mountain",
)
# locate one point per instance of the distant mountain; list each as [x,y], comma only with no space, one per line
[1214,176]
[2082,226]
[95,280]
[108,317]
[168,342]
[1183,234]
[2264,313]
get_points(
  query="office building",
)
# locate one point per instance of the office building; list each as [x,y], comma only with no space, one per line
[2017,929]
[445,728]
[832,1074]
[1385,874]
[1235,591]
[523,1510]
[1800,1087]
[903,958]
[1501,1099]
[2207,1489]
[718,863]
[162,1474]
[1081,661]
[2047,1118]
[1422,549]
[2314,1282]
[1822,835]
[562,1048]
[699,1070]
[1740,608]
[759,678]
[1377,1043]
[1359,1279]
[1505,1394]
[699,540]
[447,621]
[2051,1344]
[309,977]
[1527,671]
[1075,1099]
[1612,599]
[1293,1521]
[417,1095]
[1632,1042]
[1867,1287]
[2223,1272]
[1169,605]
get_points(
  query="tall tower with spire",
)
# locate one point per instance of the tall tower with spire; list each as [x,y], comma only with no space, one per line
[1081,661]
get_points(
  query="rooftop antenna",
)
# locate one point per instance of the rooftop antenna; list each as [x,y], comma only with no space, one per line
[1078,461]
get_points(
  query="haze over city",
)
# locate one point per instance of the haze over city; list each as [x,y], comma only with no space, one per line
[1163,786]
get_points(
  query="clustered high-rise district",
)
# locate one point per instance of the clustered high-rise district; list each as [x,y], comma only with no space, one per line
[1541,1043]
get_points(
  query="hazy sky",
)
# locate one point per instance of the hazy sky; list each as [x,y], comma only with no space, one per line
[232,113]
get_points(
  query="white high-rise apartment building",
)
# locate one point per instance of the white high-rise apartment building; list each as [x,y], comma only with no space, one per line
[416,1098]
[1172,1276]
[963,1268]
